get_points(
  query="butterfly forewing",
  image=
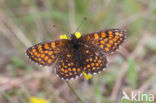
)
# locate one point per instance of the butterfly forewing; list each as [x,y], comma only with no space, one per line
[47,52]
[108,40]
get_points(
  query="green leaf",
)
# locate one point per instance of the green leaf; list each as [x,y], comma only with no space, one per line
[126,101]
[132,73]
[97,93]
[131,6]
[18,62]
[150,42]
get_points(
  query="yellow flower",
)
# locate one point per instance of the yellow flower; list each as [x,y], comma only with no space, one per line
[64,36]
[37,100]
[87,76]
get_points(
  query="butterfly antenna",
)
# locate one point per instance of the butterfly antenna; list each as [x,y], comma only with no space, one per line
[85,18]
[54,26]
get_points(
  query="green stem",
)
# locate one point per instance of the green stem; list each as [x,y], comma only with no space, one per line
[74,92]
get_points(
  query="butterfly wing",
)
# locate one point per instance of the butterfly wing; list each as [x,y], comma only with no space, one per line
[93,59]
[46,53]
[67,65]
[72,62]
[89,57]
[108,40]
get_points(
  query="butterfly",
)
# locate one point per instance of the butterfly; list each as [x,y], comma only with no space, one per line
[78,54]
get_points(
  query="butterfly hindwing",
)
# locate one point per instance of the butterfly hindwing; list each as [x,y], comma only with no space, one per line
[108,40]
[67,65]
[93,60]
[71,63]
[46,53]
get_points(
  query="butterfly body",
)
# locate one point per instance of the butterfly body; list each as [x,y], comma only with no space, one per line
[74,41]
[78,54]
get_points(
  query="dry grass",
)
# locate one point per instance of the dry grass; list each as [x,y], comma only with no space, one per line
[24,23]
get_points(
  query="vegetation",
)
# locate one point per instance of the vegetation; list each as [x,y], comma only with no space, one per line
[27,22]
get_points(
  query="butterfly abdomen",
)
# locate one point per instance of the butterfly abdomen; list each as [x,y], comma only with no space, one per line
[76,45]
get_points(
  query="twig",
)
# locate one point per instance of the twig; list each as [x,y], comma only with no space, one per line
[6,33]
[147,83]
[118,84]
[8,82]
[40,29]
[4,30]
[131,19]
[16,31]
[72,15]
[74,92]
[72,28]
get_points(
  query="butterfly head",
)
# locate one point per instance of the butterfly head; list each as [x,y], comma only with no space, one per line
[76,35]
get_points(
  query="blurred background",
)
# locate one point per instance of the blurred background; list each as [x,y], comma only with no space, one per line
[24,23]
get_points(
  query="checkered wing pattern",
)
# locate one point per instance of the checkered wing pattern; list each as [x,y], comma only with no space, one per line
[93,59]
[46,53]
[108,40]
[71,63]
[67,65]
[73,56]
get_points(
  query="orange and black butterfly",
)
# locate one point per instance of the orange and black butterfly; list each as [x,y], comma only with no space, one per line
[75,55]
